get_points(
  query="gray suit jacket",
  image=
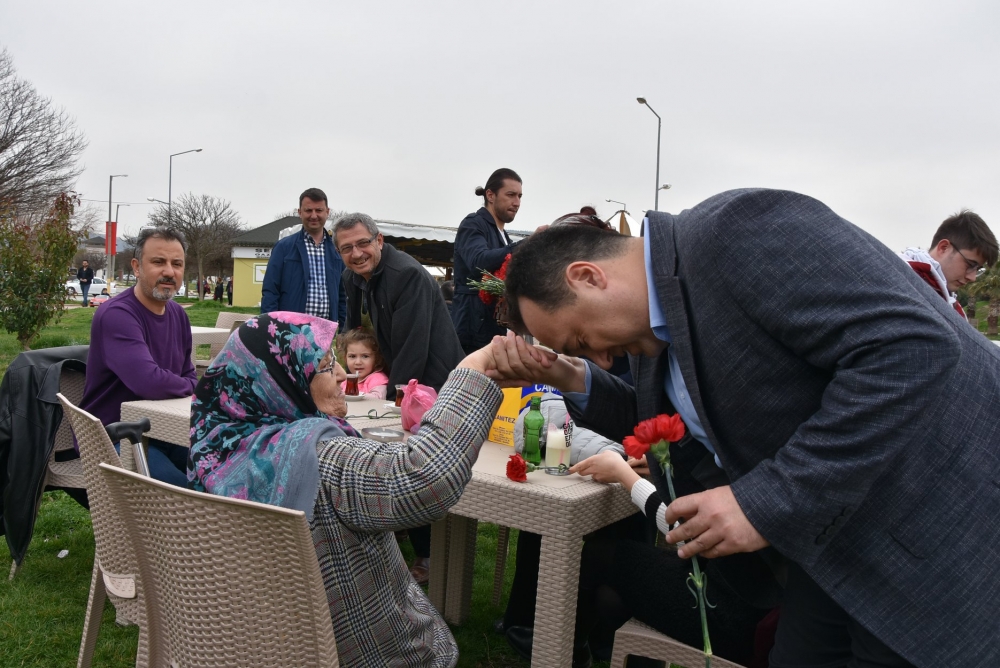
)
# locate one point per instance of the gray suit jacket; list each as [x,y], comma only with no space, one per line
[855,412]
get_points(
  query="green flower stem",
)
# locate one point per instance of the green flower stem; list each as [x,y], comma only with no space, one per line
[662,452]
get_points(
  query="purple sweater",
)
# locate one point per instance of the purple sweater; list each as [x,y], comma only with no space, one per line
[136,354]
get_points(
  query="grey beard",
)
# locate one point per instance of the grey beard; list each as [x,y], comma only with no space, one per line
[162,295]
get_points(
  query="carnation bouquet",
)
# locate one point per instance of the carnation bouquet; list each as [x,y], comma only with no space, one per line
[491,289]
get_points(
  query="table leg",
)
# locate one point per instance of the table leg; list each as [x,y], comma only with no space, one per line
[437,584]
[555,609]
[461,568]
[503,537]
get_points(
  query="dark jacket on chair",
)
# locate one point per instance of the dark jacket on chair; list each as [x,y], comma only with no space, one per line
[30,415]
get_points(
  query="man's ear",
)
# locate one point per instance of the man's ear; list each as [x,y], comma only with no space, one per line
[135,266]
[586,275]
[940,249]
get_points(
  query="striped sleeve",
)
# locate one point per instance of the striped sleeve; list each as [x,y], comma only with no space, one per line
[646,498]
[387,486]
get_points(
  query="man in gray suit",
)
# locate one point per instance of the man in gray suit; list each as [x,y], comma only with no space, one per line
[852,413]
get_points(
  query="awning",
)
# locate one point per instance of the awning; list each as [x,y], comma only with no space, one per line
[429,245]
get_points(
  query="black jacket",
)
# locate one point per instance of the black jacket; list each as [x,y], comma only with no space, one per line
[85,276]
[30,415]
[410,318]
[477,248]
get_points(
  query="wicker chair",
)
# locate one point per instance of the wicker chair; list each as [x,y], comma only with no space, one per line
[226,582]
[225,319]
[68,473]
[640,640]
[114,562]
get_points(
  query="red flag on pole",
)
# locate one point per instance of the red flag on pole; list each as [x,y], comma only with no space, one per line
[111,238]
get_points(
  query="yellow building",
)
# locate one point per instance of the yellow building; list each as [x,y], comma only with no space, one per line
[251,252]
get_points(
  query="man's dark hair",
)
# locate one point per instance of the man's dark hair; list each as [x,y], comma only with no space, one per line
[164,233]
[537,269]
[588,210]
[315,194]
[968,231]
[495,182]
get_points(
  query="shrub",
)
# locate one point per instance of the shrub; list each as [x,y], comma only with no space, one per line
[33,268]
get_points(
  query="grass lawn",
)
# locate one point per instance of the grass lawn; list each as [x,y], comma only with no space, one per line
[42,610]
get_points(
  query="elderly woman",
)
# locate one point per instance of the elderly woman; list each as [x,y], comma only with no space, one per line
[265,427]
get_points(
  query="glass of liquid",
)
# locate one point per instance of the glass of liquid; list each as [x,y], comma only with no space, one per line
[556,452]
[400,390]
[351,387]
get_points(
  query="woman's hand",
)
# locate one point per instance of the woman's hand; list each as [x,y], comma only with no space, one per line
[607,466]
[517,363]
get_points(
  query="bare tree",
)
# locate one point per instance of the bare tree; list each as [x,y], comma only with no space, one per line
[89,218]
[209,224]
[39,145]
[294,213]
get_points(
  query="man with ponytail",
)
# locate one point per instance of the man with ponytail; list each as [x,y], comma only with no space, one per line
[481,245]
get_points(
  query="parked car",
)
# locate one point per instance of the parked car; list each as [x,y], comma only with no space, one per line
[98,284]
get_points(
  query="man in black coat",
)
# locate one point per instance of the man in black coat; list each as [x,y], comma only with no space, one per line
[481,245]
[408,313]
[86,277]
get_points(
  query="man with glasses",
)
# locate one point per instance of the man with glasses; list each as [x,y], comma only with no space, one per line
[963,245]
[303,273]
[406,310]
[393,294]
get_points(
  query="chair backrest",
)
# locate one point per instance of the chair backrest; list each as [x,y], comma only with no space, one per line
[226,582]
[71,384]
[230,320]
[111,542]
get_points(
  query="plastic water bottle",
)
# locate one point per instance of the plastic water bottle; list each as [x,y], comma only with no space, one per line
[534,421]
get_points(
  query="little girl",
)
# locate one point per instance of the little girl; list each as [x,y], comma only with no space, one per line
[361,356]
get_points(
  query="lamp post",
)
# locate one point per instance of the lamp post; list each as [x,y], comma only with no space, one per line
[170,180]
[158,201]
[659,124]
[624,208]
[117,207]
[111,229]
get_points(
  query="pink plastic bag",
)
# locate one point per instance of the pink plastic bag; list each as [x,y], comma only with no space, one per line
[417,400]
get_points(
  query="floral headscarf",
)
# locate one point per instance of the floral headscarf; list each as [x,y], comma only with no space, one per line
[254,425]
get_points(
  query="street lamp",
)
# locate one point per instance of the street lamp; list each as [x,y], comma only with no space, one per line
[117,207]
[111,228]
[617,202]
[158,201]
[170,181]
[659,123]
[666,186]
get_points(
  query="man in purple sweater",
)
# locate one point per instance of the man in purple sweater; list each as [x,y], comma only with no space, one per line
[140,346]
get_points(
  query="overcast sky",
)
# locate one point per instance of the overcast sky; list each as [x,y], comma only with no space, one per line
[886,111]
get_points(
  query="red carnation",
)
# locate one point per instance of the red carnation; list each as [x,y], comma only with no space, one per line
[635,448]
[485,297]
[517,468]
[669,428]
[501,273]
